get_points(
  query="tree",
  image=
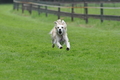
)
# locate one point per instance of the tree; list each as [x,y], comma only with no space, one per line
[6,1]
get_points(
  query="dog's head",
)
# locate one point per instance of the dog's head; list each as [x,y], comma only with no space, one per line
[60,26]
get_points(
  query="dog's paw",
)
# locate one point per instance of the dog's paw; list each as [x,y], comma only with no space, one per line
[61,47]
[67,49]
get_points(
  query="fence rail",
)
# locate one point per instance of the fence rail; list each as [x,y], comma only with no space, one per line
[37,6]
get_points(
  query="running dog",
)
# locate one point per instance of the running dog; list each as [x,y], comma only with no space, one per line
[59,34]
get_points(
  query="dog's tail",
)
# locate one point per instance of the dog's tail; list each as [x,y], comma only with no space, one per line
[50,32]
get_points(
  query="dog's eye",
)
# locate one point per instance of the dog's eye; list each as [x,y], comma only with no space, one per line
[62,27]
[57,27]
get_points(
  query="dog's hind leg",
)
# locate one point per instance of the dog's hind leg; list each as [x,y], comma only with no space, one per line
[53,43]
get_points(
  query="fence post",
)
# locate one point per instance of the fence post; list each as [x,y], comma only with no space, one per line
[17,6]
[86,12]
[14,6]
[30,9]
[38,9]
[58,11]
[22,8]
[72,13]
[46,11]
[101,11]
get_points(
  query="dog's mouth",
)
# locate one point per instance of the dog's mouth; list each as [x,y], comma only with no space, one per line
[60,32]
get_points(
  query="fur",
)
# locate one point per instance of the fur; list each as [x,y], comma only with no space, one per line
[59,34]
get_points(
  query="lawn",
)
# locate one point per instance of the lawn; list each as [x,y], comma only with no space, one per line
[26,51]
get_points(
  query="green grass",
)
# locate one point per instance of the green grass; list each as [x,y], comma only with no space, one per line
[26,52]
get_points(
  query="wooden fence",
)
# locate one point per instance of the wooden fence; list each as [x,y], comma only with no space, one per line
[44,8]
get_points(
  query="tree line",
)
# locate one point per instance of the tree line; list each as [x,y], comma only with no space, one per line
[6,1]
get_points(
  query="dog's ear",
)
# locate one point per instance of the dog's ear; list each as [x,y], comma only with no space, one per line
[55,22]
[64,23]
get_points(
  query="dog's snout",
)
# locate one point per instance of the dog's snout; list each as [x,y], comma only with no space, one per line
[60,31]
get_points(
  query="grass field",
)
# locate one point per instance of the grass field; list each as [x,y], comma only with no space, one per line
[26,52]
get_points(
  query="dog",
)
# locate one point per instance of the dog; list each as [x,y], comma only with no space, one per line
[59,34]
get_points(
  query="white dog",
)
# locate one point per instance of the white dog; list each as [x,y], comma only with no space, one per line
[59,34]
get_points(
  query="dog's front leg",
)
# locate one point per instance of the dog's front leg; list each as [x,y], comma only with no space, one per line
[58,42]
[67,43]
[59,45]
